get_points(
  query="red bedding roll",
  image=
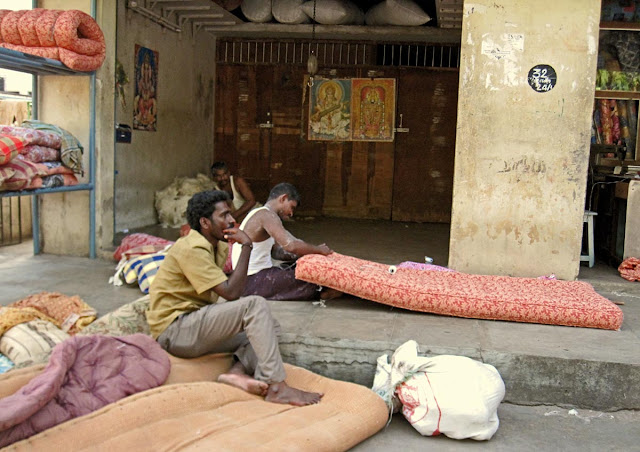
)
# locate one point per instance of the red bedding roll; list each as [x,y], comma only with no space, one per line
[45,25]
[72,37]
[79,62]
[10,33]
[27,27]
[3,12]
[79,32]
[44,52]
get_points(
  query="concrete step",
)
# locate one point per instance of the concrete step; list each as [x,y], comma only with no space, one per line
[540,364]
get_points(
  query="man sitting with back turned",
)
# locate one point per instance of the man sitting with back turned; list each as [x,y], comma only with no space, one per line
[188,320]
[271,240]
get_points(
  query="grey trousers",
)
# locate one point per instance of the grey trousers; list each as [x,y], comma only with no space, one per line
[244,327]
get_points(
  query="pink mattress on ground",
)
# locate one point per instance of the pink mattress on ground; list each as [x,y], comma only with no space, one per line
[531,300]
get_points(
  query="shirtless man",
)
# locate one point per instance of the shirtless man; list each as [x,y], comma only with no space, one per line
[187,319]
[272,241]
[241,195]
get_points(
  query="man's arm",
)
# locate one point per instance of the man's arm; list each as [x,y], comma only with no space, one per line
[233,287]
[279,253]
[249,199]
[273,226]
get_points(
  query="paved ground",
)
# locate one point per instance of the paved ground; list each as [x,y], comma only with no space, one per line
[550,368]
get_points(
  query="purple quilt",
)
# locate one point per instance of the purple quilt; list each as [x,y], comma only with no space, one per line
[84,374]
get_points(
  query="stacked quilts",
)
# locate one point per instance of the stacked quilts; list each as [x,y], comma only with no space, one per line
[32,326]
[72,37]
[38,155]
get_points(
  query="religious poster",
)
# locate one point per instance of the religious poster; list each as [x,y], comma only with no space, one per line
[352,109]
[330,110]
[373,109]
[145,105]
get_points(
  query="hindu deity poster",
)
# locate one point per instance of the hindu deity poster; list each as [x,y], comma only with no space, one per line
[373,109]
[330,110]
[145,105]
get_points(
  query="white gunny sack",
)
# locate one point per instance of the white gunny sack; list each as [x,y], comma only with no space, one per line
[451,395]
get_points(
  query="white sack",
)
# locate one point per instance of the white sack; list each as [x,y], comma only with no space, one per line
[289,12]
[171,202]
[453,395]
[335,12]
[257,10]
[396,12]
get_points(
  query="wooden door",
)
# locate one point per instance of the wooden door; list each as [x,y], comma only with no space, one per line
[423,170]
[259,131]
[239,140]
[294,159]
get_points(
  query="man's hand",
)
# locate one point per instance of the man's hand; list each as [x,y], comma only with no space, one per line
[324,249]
[234,234]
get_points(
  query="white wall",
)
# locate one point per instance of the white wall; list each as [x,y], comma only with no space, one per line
[183,142]
[521,155]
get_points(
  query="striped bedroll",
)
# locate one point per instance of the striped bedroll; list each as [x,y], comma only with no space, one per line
[143,269]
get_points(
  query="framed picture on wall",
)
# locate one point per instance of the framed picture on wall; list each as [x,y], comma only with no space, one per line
[373,109]
[330,110]
[359,109]
[145,104]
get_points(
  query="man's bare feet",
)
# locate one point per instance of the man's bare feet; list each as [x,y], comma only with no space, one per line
[283,393]
[245,382]
[237,377]
[329,294]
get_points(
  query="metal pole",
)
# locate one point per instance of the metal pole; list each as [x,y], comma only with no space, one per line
[92,157]
[35,209]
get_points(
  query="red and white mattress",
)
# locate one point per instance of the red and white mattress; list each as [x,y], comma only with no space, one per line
[531,300]
[72,37]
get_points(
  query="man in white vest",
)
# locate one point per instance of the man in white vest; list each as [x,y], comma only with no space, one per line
[242,198]
[271,241]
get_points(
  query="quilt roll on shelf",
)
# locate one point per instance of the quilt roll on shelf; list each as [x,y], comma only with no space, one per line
[72,37]
[531,300]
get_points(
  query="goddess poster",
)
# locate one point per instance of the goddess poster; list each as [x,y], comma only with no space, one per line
[373,109]
[145,104]
[330,110]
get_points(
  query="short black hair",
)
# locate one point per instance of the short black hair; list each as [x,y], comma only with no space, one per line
[284,188]
[202,205]
[220,165]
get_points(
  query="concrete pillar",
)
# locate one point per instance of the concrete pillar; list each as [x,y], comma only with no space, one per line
[527,80]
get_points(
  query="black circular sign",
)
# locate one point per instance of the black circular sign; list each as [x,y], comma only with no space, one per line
[542,78]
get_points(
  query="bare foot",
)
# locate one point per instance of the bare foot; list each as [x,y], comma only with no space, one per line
[282,393]
[329,294]
[244,382]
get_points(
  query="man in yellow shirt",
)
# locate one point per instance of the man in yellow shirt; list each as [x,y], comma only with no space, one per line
[188,319]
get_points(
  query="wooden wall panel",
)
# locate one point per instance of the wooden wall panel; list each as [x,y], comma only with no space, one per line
[410,179]
[226,115]
[423,173]
[293,158]
[358,181]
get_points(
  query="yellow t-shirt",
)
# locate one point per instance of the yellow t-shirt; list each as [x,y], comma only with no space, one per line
[185,280]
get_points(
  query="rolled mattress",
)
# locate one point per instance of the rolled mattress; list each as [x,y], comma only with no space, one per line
[531,300]
[72,37]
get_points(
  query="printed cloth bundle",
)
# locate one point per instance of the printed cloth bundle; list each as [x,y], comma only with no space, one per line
[38,155]
[72,37]
[140,243]
[630,269]
[71,314]
[31,327]
[140,256]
